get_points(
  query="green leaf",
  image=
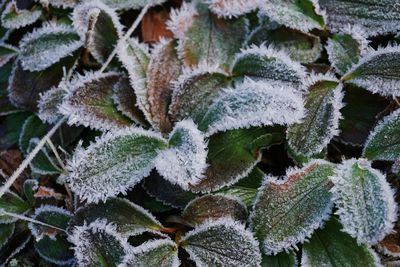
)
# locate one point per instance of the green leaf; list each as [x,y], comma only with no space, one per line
[12,128]
[16,242]
[377,71]
[203,82]
[115,162]
[32,127]
[383,142]
[300,46]
[222,243]
[11,202]
[301,15]
[55,250]
[331,247]
[365,201]
[321,124]
[43,163]
[47,45]
[89,102]
[14,18]
[98,245]
[280,260]
[131,4]
[253,104]
[128,218]
[229,9]
[276,67]
[6,231]
[160,253]
[377,17]
[7,52]
[6,108]
[214,207]
[286,212]
[49,103]
[30,186]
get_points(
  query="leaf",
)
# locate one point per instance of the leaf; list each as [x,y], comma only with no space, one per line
[16,243]
[57,251]
[229,9]
[11,202]
[64,3]
[214,207]
[321,124]
[280,260]
[7,52]
[47,45]
[128,218]
[263,63]
[43,163]
[383,142]
[164,68]
[184,162]
[302,15]
[182,19]
[253,104]
[300,46]
[52,215]
[6,108]
[202,82]
[222,243]
[89,102]
[91,20]
[6,231]
[288,211]
[98,244]
[211,39]
[13,17]
[330,246]
[160,253]
[30,186]
[129,4]
[365,201]
[12,129]
[375,16]
[345,49]
[115,162]
[31,128]
[232,155]
[49,102]
[377,72]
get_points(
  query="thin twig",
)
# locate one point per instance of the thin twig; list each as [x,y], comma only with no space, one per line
[53,148]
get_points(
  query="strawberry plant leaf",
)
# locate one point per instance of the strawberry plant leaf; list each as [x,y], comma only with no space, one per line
[307,201]
[6,231]
[365,201]
[383,142]
[47,45]
[7,52]
[231,9]
[115,162]
[222,243]
[214,207]
[55,250]
[32,127]
[11,202]
[13,17]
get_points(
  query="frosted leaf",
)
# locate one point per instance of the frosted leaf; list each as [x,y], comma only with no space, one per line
[63,3]
[47,45]
[51,215]
[211,39]
[89,101]
[131,4]
[182,19]
[345,49]
[135,58]
[376,16]
[57,250]
[160,253]
[43,163]
[163,69]
[128,218]
[222,243]
[7,52]
[383,141]
[377,71]
[282,259]
[31,128]
[91,20]
[203,82]
[286,212]
[253,104]
[14,18]
[49,103]
[98,243]
[300,46]
[11,202]
[232,155]
[115,162]
[330,246]
[6,231]
[321,123]
[365,201]
[213,207]
[301,15]
[231,8]
[184,162]
[261,62]
[124,98]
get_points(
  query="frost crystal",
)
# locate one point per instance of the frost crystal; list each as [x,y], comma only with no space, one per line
[253,104]
[49,102]
[181,19]
[222,243]
[184,162]
[14,18]
[47,45]
[365,201]
[115,162]
[63,3]
[231,8]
